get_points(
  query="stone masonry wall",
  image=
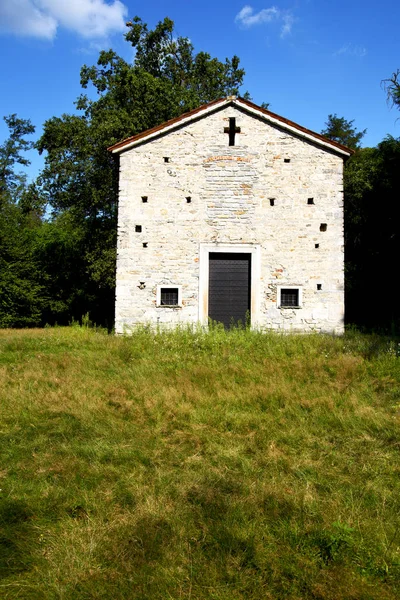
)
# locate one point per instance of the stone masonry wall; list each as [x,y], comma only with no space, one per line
[231,188]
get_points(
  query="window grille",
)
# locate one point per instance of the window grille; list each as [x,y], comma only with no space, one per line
[169,297]
[289,297]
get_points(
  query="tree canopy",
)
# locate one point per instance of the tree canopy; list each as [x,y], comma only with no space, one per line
[392,87]
[12,153]
[372,241]
[20,287]
[342,131]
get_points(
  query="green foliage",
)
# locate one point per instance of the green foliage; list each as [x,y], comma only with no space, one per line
[44,266]
[197,78]
[372,181]
[21,299]
[342,131]
[11,153]
[193,464]
[392,87]
[371,184]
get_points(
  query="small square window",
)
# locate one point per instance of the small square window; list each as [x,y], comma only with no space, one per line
[289,297]
[169,295]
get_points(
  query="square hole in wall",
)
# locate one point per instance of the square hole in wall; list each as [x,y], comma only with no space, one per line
[310,200]
[144,198]
[319,286]
[166,159]
[323,227]
[138,228]
[188,199]
[316,245]
[272,201]
[144,244]
[286,160]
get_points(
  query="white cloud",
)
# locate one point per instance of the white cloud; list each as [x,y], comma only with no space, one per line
[351,50]
[247,17]
[288,21]
[91,19]
[24,18]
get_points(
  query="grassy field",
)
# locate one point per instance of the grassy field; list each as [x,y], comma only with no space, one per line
[227,465]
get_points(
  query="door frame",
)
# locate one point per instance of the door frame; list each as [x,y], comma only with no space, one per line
[255,271]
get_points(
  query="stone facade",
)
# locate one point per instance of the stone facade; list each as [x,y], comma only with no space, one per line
[277,194]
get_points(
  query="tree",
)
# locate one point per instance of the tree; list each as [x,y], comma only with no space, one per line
[60,252]
[372,241]
[247,96]
[392,87]
[11,153]
[342,131]
[197,78]
[81,177]
[20,288]
[21,291]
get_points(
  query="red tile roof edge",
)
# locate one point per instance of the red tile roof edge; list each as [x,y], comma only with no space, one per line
[195,111]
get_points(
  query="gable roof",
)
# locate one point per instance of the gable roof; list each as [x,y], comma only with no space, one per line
[247,106]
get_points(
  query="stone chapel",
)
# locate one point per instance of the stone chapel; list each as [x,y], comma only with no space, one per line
[233,213]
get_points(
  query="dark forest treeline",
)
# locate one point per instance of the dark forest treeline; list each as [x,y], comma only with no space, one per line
[58,235]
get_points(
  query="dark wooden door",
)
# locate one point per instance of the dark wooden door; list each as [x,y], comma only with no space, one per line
[229,288]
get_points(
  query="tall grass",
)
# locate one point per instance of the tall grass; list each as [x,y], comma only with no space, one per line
[195,465]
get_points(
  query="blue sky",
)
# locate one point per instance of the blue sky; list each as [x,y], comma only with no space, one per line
[308,58]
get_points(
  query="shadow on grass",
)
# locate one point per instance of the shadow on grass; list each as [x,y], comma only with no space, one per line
[16,530]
